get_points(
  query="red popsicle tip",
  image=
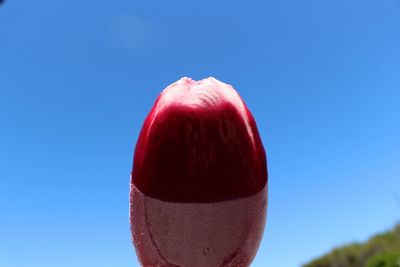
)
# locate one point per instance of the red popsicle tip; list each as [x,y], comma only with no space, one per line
[199,143]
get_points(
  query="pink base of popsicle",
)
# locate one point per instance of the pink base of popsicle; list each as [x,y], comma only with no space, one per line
[226,233]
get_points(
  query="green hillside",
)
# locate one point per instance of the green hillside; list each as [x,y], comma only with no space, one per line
[382,250]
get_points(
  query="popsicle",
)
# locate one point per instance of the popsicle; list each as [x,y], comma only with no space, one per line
[199,182]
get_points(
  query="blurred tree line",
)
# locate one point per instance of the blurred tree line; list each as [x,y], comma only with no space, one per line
[382,250]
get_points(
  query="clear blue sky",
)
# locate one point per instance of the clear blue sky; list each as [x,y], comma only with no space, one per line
[77,78]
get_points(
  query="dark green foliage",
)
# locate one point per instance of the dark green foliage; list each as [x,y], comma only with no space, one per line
[390,259]
[382,250]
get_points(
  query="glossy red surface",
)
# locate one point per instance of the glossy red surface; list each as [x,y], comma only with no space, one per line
[199,153]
